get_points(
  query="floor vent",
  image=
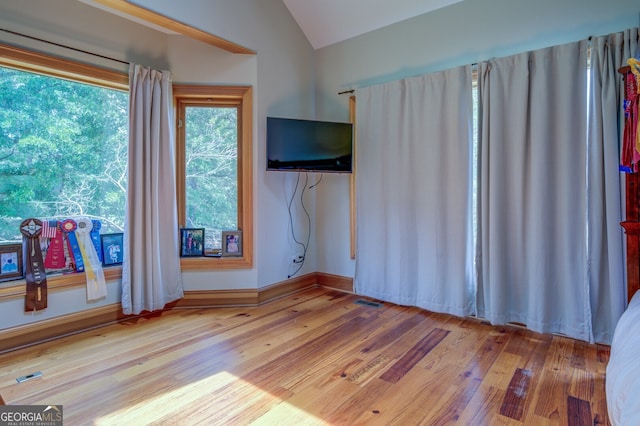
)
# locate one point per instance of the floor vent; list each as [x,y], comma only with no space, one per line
[368,303]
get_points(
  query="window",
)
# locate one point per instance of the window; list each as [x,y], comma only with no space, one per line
[63,141]
[214,168]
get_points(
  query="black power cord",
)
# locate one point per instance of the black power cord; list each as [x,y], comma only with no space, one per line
[293,233]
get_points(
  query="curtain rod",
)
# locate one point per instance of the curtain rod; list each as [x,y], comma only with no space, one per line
[474,68]
[64,46]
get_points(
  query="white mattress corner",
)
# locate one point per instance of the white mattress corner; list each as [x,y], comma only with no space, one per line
[623,370]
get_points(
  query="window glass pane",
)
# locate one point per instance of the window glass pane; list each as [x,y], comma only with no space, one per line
[211,181]
[63,151]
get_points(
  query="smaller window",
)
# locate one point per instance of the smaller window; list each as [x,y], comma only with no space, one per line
[215,168]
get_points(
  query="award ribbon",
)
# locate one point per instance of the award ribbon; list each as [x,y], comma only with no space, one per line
[95,238]
[96,287]
[35,275]
[55,254]
[69,227]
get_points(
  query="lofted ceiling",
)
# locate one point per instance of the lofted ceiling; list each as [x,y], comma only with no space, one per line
[327,22]
[324,22]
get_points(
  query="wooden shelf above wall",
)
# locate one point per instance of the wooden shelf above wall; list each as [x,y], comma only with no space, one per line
[128,8]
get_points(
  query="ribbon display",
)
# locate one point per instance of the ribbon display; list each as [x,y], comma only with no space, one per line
[96,286]
[35,275]
[69,227]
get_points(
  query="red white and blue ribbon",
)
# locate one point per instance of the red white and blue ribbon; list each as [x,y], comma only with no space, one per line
[55,253]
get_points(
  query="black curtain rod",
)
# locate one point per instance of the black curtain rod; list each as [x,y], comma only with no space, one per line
[346,91]
[63,46]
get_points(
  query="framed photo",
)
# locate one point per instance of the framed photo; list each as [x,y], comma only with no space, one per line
[232,243]
[11,261]
[112,249]
[191,242]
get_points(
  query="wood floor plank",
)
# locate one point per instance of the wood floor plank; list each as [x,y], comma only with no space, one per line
[578,359]
[490,394]
[579,412]
[313,358]
[483,408]
[604,352]
[513,402]
[551,394]
[414,355]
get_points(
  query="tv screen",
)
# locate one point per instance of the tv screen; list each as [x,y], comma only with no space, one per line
[309,145]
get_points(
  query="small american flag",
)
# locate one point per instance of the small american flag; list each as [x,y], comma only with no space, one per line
[49,228]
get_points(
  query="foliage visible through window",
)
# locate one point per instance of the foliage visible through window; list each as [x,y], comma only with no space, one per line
[211,170]
[214,168]
[63,151]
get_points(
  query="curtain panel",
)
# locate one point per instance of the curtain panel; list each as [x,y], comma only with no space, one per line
[533,191]
[151,275]
[414,184]
[605,197]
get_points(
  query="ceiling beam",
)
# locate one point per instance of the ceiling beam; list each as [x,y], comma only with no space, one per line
[154,18]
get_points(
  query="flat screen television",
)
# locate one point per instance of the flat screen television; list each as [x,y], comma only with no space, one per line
[309,145]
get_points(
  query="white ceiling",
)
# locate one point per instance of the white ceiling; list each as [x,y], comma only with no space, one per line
[326,22]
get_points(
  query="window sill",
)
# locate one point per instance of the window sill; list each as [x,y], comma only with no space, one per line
[208,263]
[57,283]
[63,282]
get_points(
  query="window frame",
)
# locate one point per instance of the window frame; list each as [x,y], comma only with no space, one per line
[40,63]
[235,96]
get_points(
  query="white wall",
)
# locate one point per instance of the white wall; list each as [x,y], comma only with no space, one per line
[282,76]
[464,33]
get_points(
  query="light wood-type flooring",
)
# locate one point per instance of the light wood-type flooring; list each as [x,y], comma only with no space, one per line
[315,357]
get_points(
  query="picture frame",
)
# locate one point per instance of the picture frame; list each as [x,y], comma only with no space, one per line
[231,243]
[11,267]
[191,242]
[112,248]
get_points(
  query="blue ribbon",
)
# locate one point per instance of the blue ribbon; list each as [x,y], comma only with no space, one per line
[73,241]
[95,237]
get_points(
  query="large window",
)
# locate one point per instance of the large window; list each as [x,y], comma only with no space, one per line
[63,142]
[63,151]
[214,167]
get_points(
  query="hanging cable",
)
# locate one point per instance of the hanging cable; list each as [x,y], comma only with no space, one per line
[317,182]
[293,232]
[304,245]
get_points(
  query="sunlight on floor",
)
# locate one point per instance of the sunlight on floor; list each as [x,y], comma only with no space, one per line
[217,399]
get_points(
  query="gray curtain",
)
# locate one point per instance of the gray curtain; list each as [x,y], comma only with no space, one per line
[414,185]
[533,235]
[550,195]
[151,275]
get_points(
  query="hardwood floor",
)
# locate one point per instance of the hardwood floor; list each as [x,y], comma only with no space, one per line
[315,357]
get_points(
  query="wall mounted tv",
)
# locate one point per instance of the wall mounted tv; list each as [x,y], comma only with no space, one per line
[309,145]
